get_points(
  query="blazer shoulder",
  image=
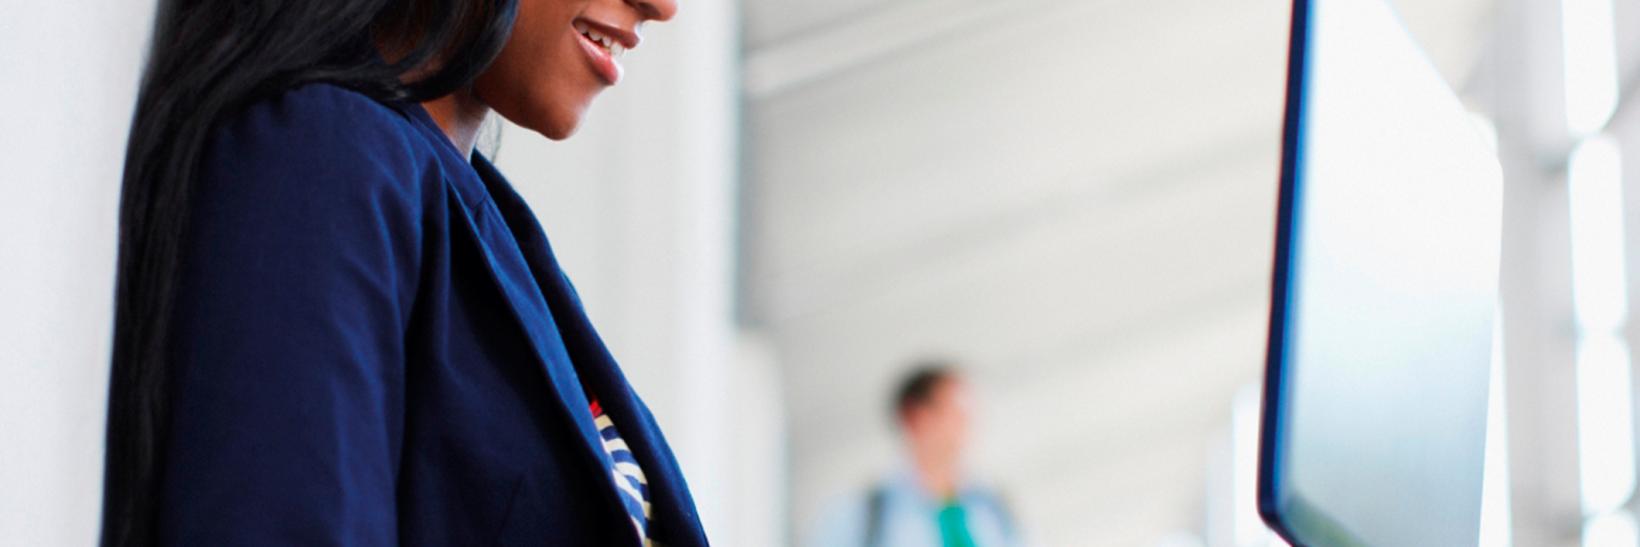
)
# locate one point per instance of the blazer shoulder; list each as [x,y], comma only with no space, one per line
[329,109]
[324,140]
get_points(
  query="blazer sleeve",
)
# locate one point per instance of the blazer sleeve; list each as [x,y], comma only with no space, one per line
[288,374]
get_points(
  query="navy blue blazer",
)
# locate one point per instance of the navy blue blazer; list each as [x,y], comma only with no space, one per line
[375,346]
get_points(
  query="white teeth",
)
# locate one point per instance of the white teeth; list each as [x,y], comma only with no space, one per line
[600,39]
[615,48]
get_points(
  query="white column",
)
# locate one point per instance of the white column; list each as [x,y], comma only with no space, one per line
[1522,86]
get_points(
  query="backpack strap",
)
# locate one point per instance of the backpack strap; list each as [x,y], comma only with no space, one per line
[999,504]
[876,503]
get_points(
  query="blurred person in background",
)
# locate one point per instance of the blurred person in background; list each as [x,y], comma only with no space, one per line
[929,500]
[336,323]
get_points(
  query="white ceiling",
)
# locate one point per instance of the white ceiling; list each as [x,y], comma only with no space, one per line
[771,21]
[1073,196]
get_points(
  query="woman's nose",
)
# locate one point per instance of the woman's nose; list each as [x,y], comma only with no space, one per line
[655,10]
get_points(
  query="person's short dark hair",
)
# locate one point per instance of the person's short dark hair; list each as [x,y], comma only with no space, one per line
[917,386]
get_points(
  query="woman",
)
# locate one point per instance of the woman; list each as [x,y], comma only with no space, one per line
[336,324]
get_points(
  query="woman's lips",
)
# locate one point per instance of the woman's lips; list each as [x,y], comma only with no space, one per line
[601,52]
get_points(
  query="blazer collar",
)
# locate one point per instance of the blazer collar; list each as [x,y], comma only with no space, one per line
[568,348]
[471,210]
[675,520]
[483,207]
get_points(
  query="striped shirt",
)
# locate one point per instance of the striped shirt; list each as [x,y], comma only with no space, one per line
[628,476]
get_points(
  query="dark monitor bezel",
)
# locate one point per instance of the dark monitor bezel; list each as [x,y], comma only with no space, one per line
[1273,421]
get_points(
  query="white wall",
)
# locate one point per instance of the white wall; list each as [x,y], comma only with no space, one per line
[1075,199]
[68,76]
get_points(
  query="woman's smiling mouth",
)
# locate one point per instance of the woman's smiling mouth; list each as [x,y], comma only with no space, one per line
[604,46]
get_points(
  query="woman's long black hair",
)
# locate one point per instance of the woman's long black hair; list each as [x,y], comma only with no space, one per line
[209,59]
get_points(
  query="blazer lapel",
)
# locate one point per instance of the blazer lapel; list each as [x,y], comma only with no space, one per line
[512,275]
[675,521]
[486,229]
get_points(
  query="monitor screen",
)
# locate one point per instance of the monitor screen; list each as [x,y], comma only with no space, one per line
[1384,295]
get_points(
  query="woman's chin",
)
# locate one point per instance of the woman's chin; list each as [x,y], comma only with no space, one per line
[557,134]
[553,109]
[558,125]
[554,122]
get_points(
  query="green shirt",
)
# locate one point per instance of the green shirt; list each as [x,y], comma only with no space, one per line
[954,526]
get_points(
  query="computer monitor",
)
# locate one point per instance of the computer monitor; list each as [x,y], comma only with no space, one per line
[1384,293]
